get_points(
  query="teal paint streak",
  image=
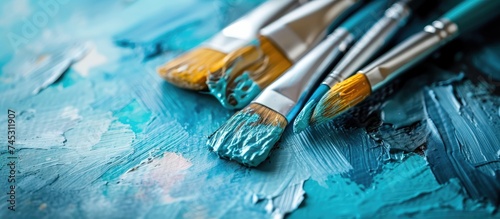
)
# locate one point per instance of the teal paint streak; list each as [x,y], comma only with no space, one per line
[134,115]
[406,106]
[302,120]
[244,140]
[486,59]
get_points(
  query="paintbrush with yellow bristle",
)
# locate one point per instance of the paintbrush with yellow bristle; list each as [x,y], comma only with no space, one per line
[191,69]
[238,78]
[372,38]
[465,16]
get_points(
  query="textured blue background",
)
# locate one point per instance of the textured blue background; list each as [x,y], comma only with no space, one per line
[105,137]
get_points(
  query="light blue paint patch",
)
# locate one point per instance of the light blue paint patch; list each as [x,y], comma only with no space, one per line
[302,120]
[134,115]
[318,153]
[41,70]
[237,97]
[160,137]
[244,140]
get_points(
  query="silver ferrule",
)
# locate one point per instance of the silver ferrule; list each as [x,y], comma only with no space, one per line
[294,86]
[299,31]
[411,51]
[244,30]
[374,39]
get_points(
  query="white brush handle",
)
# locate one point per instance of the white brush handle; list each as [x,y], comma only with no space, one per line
[246,29]
[410,52]
[293,87]
[373,40]
[298,31]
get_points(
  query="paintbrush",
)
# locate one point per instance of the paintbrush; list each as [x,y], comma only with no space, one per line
[462,18]
[248,136]
[191,69]
[238,78]
[370,43]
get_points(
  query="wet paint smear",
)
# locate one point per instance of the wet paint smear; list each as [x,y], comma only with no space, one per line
[113,140]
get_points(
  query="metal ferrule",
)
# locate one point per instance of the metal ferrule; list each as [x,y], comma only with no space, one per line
[411,51]
[374,39]
[297,32]
[294,86]
[244,30]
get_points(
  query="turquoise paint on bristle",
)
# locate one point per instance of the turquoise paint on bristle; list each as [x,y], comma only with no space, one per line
[302,120]
[244,138]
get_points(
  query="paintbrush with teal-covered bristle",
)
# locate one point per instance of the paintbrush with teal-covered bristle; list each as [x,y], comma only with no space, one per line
[249,135]
[241,75]
[462,18]
[371,42]
[190,70]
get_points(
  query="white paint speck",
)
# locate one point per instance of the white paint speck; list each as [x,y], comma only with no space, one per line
[71,113]
[91,60]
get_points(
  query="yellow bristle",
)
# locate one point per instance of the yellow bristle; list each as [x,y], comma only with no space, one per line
[238,61]
[266,116]
[277,64]
[264,63]
[190,71]
[341,97]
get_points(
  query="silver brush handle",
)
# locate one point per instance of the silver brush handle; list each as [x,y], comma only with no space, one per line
[293,87]
[374,39]
[246,29]
[410,51]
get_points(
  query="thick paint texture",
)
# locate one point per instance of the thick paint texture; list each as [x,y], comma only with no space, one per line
[113,140]
[244,139]
[241,95]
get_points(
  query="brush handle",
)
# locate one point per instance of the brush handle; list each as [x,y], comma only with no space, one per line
[358,23]
[465,16]
[300,30]
[285,94]
[246,28]
[410,52]
[473,13]
[376,37]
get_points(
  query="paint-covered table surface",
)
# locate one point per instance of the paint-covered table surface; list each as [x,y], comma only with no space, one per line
[98,134]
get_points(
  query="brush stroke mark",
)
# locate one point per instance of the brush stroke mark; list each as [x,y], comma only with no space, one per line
[411,178]
[403,118]
[450,133]
[29,75]
[318,153]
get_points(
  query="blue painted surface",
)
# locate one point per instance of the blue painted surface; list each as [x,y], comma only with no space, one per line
[118,142]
